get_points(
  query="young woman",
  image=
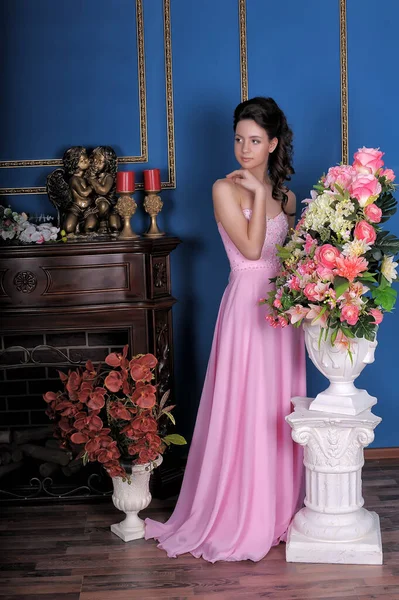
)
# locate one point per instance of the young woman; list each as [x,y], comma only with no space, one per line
[243,478]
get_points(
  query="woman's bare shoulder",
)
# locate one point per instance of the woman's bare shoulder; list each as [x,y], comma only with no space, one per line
[224,184]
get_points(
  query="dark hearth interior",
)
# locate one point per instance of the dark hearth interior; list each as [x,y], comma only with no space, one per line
[28,450]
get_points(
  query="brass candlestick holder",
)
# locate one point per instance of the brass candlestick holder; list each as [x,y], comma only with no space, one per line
[126,207]
[153,206]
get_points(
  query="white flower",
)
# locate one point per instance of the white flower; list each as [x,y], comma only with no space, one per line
[388,268]
[355,248]
[7,235]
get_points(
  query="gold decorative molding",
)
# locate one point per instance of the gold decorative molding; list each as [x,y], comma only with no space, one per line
[143,158]
[57,162]
[242,12]
[171,183]
[344,80]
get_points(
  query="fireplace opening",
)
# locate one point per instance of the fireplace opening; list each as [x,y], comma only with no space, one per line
[32,466]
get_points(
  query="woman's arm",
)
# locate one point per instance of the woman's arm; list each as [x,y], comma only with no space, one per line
[248,236]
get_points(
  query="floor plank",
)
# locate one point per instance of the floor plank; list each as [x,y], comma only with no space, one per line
[67,552]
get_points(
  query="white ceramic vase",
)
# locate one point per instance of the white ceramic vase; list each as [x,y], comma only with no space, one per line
[131,498]
[334,363]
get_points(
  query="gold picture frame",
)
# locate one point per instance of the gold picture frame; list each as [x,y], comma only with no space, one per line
[143,158]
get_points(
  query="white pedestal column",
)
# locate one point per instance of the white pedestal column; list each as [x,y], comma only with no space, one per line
[333,527]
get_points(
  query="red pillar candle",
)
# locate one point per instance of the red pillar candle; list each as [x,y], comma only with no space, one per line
[124,181]
[152,180]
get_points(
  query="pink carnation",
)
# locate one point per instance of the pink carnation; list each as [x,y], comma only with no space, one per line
[368,160]
[293,283]
[350,267]
[341,176]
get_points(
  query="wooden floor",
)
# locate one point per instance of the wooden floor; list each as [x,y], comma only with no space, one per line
[67,552]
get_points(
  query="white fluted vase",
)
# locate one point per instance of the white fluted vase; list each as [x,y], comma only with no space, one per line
[131,498]
[342,396]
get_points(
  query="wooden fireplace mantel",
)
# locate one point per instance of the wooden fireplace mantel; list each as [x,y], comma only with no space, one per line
[98,285]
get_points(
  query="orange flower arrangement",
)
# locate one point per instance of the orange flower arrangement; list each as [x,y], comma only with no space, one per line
[112,414]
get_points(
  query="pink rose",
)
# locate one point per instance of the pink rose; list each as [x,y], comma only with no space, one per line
[366,232]
[293,283]
[373,213]
[368,160]
[310,291]
[307,267]
[325,273]
[326,255]
[377,314]
[388,174]
[350,314]
[365,188]
[277,303]
[341,175]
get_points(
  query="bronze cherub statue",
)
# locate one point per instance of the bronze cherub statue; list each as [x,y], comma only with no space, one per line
[101,176]
[83,192]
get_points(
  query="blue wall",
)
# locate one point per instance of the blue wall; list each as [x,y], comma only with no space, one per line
[75,65]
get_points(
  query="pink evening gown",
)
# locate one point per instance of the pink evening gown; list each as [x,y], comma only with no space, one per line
[243,479]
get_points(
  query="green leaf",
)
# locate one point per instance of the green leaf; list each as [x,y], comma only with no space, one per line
[175,438]
[384,283]
[168,414]
[385,298]
[367,276]
[340,285]
[387,243]
[282,252]
[348,332]
[339,189]
[334,336]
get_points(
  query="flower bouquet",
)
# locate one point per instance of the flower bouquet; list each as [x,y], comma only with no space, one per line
[16,226]
[338,264]
[112,414]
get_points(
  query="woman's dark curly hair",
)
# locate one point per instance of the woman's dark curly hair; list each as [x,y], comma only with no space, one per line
[267,114]
[71,159]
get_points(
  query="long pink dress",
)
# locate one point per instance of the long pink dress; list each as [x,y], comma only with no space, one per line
[243,479]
